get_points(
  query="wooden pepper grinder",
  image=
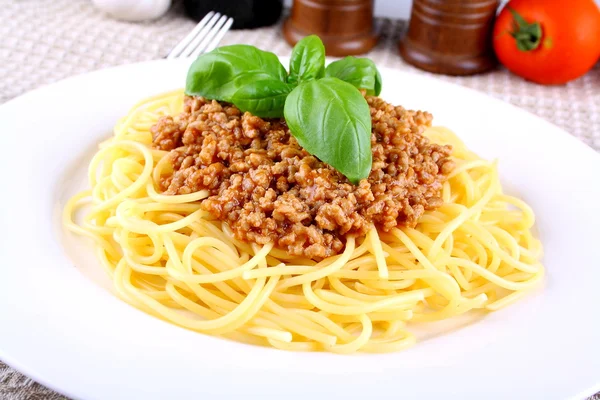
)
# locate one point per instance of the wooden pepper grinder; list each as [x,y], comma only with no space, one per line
[452,37]
[344,26]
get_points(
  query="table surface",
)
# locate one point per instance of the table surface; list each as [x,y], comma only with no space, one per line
[75,38]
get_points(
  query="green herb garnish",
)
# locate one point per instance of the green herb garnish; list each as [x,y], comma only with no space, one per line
[359,72]
[323,107]
[307,61]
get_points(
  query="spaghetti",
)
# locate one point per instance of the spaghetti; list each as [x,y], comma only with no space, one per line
[175,261]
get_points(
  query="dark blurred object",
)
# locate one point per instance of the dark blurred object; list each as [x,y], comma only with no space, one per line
[452,37]
[247,14]
[344,26]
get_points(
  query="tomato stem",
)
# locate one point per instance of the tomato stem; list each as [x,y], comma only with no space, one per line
[527,35]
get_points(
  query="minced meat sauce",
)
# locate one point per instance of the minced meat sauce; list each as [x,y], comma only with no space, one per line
[268,188]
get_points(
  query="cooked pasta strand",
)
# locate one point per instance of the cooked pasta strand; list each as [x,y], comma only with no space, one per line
[173,260]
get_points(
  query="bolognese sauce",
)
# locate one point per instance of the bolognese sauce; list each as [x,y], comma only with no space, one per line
[269,189]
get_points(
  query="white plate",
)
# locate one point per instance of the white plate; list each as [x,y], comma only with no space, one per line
[61,326]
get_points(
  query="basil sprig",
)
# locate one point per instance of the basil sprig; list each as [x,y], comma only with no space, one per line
[338,131]
[264,98]
[308,60]
[322,106]
[221,72]
[359,72]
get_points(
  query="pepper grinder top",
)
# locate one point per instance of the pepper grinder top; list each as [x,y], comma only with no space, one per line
[345,26]
[452,37]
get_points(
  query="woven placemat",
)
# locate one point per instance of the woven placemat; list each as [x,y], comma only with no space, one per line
[46,40]
[43,41]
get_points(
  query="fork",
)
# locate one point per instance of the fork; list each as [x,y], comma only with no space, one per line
[204,37]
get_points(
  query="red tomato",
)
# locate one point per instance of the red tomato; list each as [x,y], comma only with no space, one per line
[548,41]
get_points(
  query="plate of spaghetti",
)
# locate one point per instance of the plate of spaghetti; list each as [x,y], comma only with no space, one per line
[245,225]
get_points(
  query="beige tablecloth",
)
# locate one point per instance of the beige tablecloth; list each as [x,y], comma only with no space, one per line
[42,41]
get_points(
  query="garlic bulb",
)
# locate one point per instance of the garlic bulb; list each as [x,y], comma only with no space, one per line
[133,10]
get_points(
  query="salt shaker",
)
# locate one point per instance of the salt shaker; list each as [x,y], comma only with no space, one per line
[133,10]
[452,37]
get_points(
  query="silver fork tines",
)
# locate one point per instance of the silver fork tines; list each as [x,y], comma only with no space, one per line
[204,37]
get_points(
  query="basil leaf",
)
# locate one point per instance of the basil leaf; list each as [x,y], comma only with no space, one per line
[263,98]
[359,72]
[221,72]
[332,121]
[308,60]
[378,83]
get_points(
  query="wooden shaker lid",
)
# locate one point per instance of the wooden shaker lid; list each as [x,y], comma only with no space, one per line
[345,26]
